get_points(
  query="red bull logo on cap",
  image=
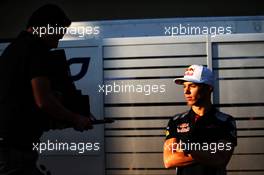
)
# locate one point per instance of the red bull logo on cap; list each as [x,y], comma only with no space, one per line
[189,71]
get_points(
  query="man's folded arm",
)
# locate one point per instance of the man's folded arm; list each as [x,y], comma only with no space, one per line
[174,157]
[214,158]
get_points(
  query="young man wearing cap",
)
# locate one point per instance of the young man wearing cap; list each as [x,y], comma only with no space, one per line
[200,141]
[25,92]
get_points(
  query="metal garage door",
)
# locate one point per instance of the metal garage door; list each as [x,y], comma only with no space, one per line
[134,142]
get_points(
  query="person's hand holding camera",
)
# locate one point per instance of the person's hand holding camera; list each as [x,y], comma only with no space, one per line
[82,123]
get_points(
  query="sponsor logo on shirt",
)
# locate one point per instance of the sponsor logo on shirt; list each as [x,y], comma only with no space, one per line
[183,127]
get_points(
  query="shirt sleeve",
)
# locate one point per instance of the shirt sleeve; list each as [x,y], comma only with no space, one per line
[39,65]
[232,131]
[171,130]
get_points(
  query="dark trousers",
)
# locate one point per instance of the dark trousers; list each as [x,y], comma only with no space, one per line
[14,161]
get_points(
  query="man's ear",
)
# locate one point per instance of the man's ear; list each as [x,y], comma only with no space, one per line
[207,88]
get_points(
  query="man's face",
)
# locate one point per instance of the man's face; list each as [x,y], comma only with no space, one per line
[194,93]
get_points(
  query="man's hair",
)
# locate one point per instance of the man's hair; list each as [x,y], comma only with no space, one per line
[48,14]
[207,87]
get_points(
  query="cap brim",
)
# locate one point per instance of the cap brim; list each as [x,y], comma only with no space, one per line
[180,81]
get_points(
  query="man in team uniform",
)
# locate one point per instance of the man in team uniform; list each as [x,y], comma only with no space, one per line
[200,141]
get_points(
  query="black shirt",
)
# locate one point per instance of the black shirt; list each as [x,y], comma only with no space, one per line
[23,60]
[204,132]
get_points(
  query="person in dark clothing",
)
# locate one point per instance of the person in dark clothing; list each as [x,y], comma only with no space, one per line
[25,92]
[199,141]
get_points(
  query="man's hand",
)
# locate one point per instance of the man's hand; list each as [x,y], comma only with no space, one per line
[82,123]
[46,101]
[173,156]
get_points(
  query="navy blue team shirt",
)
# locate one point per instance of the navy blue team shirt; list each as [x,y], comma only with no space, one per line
[213,127]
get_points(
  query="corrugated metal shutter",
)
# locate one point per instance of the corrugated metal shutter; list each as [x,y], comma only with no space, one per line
[134,142]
